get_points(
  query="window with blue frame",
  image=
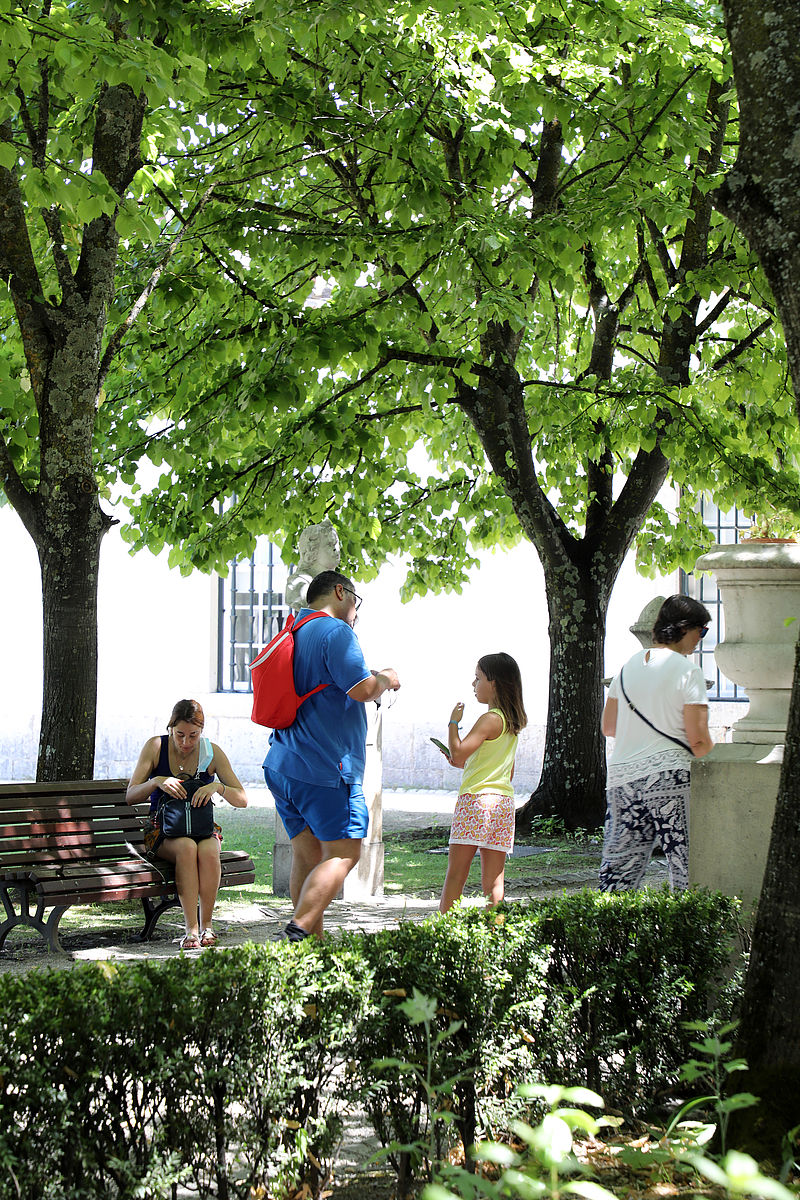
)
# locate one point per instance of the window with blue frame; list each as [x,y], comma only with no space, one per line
[251,610]
[728,528]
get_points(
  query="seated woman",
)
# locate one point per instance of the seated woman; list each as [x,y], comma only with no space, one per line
[163,763]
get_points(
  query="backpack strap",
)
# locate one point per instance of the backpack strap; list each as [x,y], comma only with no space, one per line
[642,717]
[311,616]
[206,755]
[320,686]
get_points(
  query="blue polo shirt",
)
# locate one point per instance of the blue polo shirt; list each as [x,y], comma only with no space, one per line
[326,742]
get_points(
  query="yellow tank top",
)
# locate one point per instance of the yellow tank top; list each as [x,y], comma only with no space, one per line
[489,768]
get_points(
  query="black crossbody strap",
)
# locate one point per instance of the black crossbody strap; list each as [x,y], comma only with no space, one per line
[642,717]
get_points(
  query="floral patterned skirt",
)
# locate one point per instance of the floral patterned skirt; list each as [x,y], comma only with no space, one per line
[485,820]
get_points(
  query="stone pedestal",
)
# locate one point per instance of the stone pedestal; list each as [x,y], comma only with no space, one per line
[760,587]
[367,878]
[734,788]
[281,860]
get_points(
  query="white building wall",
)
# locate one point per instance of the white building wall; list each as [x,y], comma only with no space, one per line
[157,643]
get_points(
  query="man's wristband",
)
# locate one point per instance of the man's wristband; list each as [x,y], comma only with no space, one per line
[454,723]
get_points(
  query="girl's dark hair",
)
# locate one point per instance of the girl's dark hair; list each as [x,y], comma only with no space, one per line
[187,710]
[677,615]
[502,670]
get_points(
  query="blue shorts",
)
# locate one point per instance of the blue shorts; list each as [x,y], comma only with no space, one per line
[330,813]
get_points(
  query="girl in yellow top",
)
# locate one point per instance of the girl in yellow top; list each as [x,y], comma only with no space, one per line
[484,816]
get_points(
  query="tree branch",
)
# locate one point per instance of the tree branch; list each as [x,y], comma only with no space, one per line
[741,346]
[656,117]
[662,250]
[710,317]
[115,341]
[18,495]
[18,270]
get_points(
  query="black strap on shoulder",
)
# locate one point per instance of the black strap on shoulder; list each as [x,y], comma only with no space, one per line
[642,717]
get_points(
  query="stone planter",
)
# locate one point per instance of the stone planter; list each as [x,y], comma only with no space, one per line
[760,587]
[735,786]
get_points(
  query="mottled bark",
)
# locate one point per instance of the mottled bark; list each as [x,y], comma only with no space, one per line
[761,195]
[769,1033]
[572,785]
[70,559]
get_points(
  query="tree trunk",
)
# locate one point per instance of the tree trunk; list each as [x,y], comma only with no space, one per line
[70,560]
[769,1034]
[573,779]
[62,336]
[579,575]
[760,195]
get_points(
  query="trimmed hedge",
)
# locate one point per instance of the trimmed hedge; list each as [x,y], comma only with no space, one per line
[118,1081]
[227,1073]
[587,988]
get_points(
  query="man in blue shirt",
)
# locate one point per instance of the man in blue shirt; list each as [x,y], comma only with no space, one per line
[315,767]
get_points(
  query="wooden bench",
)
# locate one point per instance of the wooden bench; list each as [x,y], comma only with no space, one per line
[77,843]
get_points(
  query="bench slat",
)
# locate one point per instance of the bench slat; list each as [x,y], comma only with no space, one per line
[86,838]
[14,818]
[47,876]
[112,896]
[62,787]
[66,854]
[35,827]
[120,888]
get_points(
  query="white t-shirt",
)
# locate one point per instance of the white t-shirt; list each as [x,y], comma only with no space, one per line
[659,682]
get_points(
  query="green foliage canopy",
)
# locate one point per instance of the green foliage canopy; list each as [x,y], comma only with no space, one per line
[495,198]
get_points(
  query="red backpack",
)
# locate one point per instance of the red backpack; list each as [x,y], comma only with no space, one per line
[275,700]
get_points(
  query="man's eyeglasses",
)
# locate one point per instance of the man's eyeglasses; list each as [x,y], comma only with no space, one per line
[704,631]
[352,593]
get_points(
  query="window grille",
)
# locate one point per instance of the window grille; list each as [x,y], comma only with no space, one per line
[252,610]
[727,528]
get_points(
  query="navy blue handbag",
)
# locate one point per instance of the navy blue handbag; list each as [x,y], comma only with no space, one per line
[177,818]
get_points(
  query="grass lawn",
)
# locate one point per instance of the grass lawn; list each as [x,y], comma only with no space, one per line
[416,861]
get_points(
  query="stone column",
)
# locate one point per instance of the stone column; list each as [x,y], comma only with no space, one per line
[734,788]
[367,878]
[281,860]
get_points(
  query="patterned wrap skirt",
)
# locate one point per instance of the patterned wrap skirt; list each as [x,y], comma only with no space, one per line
[485,820]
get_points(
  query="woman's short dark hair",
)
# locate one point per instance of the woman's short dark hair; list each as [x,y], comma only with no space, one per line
[187,710]
[677,615]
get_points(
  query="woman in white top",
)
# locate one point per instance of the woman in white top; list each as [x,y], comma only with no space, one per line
[657,710]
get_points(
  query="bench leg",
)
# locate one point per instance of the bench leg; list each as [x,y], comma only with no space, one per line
[33,920]
[152,911]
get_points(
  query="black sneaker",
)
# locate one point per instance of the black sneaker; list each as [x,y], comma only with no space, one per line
[292,932]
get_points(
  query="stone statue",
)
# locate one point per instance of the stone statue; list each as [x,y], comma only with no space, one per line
[643,626]
[317,550]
